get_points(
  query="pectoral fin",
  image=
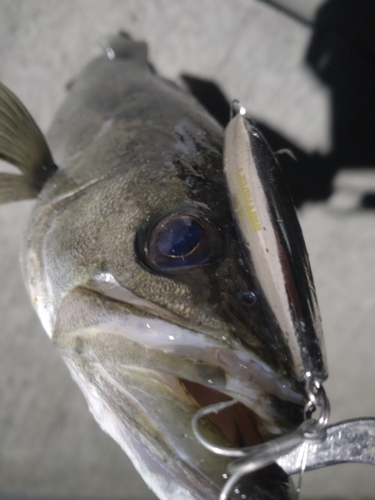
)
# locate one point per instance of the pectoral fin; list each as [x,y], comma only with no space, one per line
[23,145]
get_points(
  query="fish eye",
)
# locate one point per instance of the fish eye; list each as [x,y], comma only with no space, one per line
[179,241]
[179,238]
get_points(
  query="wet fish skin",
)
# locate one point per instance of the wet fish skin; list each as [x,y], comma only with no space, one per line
[133,148]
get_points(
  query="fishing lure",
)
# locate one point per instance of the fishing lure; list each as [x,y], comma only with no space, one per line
[277,259]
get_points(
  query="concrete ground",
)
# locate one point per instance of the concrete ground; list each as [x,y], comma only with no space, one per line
[50,447]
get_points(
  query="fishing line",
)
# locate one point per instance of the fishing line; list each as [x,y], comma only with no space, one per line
[303,459]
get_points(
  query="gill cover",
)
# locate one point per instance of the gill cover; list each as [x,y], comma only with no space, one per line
[22,144]
[273,243]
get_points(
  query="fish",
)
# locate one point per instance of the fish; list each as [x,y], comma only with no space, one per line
[142,271]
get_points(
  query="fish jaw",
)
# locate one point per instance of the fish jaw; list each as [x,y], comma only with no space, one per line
[115,409]
[136,379]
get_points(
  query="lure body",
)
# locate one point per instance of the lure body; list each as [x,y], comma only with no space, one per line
[274,244]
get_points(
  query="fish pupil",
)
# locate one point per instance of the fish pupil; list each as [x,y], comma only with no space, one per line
[180,237]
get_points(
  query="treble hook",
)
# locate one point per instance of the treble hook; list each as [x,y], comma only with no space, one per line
[252,458]
[350,441]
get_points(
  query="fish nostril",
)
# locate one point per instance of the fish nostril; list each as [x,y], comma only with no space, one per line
[248,298]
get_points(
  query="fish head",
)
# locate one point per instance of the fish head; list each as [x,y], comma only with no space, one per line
[139,279]
[135,264]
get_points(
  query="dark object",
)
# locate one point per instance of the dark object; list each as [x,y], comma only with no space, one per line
[210,96]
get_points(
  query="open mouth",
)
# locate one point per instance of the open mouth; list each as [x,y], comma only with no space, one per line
[206,368]
[239,425]
[242,429]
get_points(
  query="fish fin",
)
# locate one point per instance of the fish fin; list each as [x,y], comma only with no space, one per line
[23,145]
[14,188]
[122,46]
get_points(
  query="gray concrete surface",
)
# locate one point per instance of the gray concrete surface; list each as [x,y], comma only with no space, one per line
[49,444]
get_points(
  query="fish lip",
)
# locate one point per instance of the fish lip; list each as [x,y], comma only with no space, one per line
[242,368]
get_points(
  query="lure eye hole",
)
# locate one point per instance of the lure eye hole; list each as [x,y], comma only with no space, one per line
[248,298]
[180,241]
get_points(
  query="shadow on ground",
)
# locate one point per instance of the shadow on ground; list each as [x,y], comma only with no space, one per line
[342,55]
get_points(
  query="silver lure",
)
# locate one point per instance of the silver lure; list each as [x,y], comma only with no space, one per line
[273,244]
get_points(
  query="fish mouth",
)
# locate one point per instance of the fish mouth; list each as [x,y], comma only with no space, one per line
[207,366]
[243,369]
[239,425]
[146,365]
